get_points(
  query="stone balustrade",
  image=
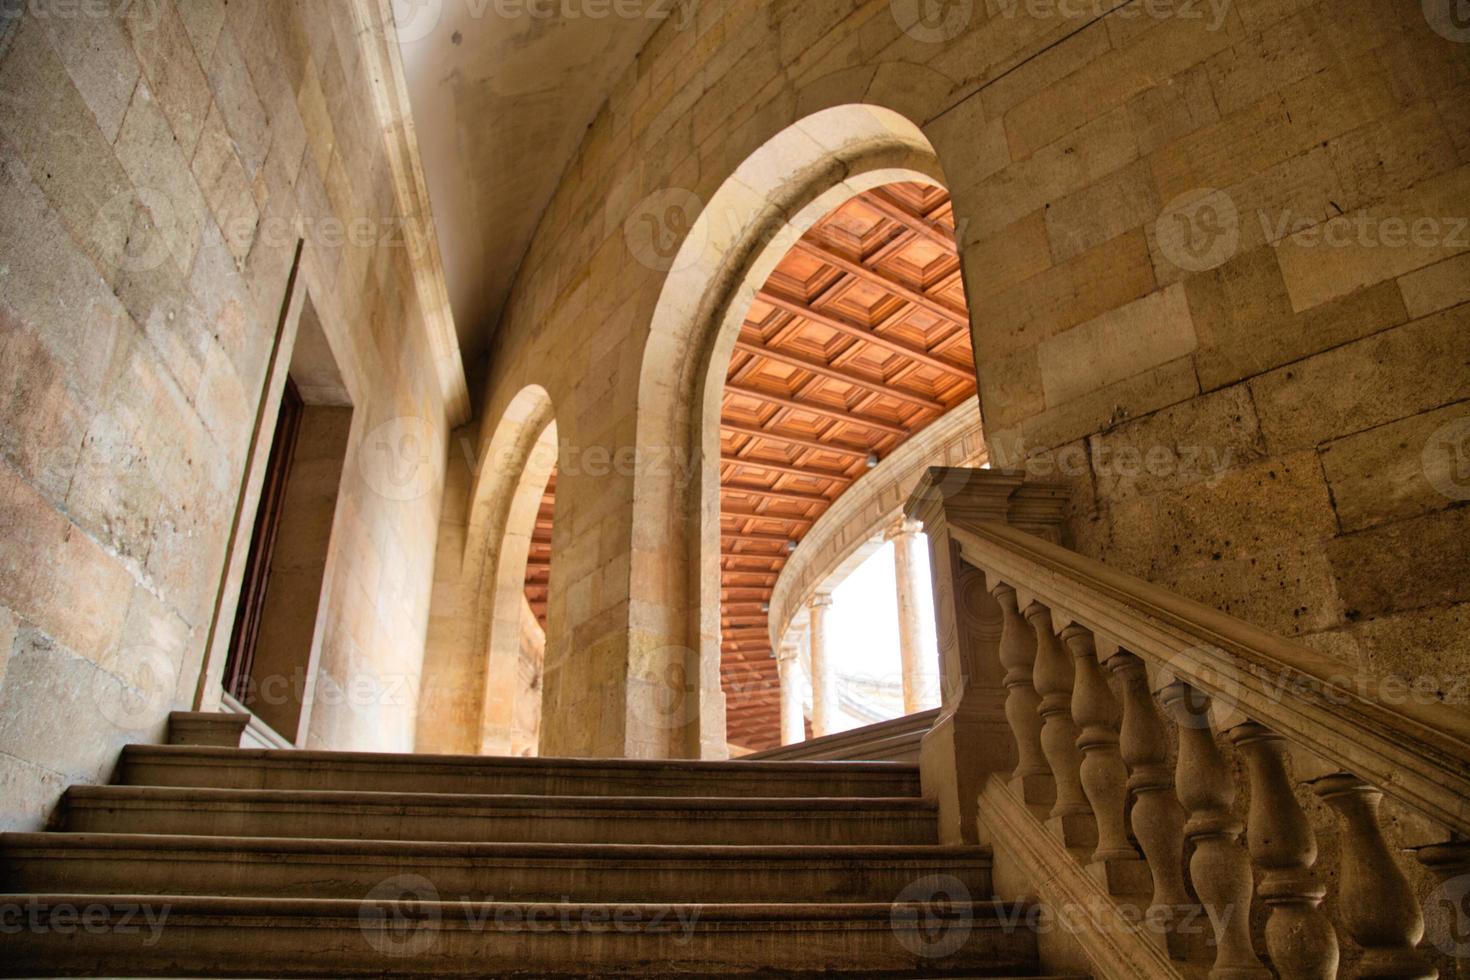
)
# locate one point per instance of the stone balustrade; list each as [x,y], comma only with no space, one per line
[1188,681]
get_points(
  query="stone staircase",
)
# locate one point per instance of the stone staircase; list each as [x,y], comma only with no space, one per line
[209,861]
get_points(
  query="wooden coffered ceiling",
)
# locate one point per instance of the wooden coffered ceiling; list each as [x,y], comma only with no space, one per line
[538,560]
[858,341]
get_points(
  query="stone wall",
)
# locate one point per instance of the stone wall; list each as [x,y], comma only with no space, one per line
[158,163]
[1125,185]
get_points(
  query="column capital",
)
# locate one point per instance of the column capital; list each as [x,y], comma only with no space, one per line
[902,528]
[820,601]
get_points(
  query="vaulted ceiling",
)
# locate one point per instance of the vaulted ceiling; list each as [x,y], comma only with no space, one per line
[538,558]
[502,96]
[858,340]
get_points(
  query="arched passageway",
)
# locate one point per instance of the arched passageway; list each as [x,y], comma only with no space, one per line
[857,341]
[675,702]
[481,686]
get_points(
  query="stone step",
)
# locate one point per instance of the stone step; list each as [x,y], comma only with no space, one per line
[223,768]
[504,819]
[340,869]
[155,936]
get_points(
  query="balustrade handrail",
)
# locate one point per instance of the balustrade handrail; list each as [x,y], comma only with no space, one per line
[1416,753]
[876,742]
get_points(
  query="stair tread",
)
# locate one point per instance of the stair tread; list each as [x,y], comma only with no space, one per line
[306,758]
[731,870]
[53,840]
[516,801]
[335,907]
[680,940]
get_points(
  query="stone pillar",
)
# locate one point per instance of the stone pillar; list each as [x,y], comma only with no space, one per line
[788,663]
[824,679]
[907,538]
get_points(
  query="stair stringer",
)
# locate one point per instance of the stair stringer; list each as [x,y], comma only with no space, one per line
[1116,947]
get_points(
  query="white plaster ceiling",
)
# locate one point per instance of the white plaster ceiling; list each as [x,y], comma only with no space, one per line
[503,92]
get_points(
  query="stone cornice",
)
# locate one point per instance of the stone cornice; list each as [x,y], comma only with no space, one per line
[384,68]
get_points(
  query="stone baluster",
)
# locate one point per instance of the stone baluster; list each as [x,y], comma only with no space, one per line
[1300,939]
[1031,777]
[1157,818]
[1448,906]
[1219,868]
[1375,903]
[1104,778]
[1053,681]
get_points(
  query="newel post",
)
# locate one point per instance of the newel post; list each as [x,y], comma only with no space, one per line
[971,738]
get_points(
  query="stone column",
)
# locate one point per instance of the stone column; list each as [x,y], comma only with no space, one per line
[788,664]
[907,538]
[824,680]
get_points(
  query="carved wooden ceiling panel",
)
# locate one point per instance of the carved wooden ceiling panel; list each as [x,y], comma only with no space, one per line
[538,560]
[859,339]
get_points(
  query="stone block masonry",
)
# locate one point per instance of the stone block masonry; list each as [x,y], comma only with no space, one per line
[158,163]
[1162,224]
